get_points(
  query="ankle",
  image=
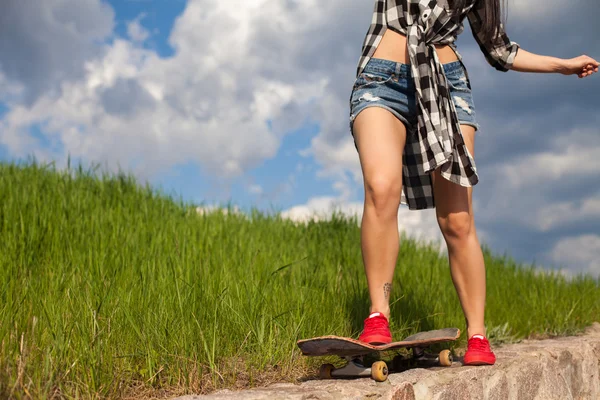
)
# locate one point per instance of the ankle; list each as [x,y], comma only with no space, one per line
[475,331]
[382,310]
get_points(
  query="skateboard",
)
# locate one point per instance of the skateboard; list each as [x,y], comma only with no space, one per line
[354,352]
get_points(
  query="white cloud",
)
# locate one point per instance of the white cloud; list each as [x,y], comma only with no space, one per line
[573,160]
[209,103]
[10,91]
[534,8]
[546,11]
[255,189]
[420,225]
[579,253]
[214,209]
[47,43]
[518,188]
[552,216]
[321,208]
[136,31]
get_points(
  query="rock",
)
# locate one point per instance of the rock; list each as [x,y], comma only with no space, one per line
[566,368]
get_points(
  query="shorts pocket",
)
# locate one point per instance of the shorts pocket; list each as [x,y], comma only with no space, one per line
[458,82]
[371,78]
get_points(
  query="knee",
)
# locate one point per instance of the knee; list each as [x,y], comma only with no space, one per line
[383,195]
[456,226]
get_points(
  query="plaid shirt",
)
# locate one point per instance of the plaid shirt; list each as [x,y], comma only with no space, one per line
[438,141]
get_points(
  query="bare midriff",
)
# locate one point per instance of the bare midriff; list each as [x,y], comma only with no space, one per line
[393,47]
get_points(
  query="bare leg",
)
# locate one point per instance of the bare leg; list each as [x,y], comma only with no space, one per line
[380,138]
[454,211]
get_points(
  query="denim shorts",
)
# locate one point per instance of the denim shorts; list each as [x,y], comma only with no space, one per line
[389,84]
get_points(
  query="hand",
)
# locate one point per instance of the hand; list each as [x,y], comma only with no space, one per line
[582,66]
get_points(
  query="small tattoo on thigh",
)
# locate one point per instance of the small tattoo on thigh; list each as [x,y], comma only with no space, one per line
[387,288]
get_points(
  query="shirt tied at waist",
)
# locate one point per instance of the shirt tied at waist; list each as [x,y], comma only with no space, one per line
[438,130]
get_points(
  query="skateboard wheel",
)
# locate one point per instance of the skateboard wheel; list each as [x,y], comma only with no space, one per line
[325,371]
[379,371]
[445,358]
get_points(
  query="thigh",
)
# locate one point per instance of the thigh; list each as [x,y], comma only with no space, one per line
[380,138]
[451,198]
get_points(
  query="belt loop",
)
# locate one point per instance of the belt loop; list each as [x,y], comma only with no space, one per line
[398,69]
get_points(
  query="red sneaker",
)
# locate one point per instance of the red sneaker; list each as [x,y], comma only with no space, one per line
[377,330]
[479,352]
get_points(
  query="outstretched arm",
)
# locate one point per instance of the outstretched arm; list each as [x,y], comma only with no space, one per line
[529,62]
[504,54]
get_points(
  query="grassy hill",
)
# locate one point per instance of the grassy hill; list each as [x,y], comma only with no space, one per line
[109,288]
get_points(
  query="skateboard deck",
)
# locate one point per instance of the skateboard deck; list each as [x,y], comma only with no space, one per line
[355,351]
[344,347]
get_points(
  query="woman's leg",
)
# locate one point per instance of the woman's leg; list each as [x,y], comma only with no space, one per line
[454,211]
[380,139]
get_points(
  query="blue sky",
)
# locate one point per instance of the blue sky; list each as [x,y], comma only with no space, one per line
[157,16]
[247,102]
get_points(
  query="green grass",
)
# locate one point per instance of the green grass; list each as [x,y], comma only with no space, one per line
[109,288]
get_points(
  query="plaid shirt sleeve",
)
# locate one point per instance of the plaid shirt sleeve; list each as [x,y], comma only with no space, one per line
[499,52]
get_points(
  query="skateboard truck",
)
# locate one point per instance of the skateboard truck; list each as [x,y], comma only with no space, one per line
[378,371]
[355,367]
